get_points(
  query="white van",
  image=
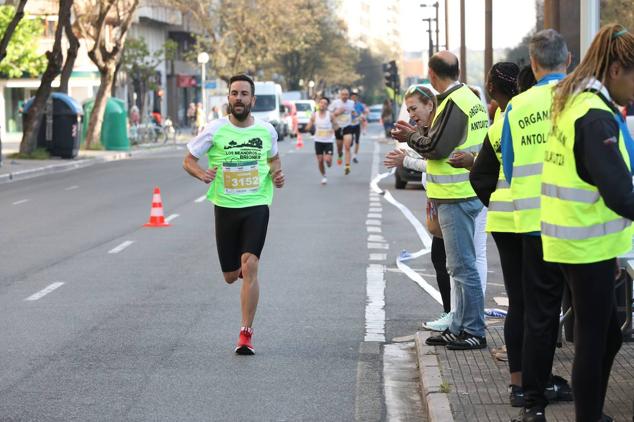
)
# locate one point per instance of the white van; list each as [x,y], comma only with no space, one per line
[268,105]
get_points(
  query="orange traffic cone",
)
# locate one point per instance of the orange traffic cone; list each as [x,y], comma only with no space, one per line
[157,219]
[300,141]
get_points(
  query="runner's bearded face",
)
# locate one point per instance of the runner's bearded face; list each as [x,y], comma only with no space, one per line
[240,100]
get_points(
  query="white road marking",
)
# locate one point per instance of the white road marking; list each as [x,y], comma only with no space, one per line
[372,222]
[45,291]
[373,229]
[375,238]
[201,199]
[72,187]
[378,246]
[121,247]
[171,217]
[375,209]
[378,256]
[21,201]
[374,215]
[501,301]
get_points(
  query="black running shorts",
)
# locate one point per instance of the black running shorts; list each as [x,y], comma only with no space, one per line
[323,148]
[356,134]
[348,130]
[238,231]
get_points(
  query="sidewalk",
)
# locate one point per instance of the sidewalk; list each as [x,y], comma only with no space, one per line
[19,169]
[473,384]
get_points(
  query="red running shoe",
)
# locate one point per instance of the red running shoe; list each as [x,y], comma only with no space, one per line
[244,346]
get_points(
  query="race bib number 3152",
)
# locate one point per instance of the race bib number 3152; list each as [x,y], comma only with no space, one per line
[241,177]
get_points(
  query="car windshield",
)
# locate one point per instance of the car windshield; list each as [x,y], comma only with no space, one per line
[303,106]
[264,103]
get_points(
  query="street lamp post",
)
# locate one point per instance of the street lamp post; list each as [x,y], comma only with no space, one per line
[436,6]
[203,58]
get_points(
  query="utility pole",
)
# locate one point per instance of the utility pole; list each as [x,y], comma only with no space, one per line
[431,41]
[436,19]
[589,24]
[463,42]
[446,24]
[488,36]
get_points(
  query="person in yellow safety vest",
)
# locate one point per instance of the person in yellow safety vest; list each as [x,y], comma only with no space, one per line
[524,133]
[588,204]
[488,182]
[458,128]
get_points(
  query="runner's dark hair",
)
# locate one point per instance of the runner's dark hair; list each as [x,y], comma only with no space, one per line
[243,77]
[325,98]
[526,78]
[503,76]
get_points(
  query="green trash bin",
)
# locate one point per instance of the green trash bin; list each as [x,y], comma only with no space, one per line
[114,129]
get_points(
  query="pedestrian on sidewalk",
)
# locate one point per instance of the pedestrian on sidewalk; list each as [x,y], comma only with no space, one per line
[525,128]
[487,179]
[244,166]
[459,125]
[588,204]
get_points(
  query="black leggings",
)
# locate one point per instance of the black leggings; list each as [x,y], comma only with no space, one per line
[510,249]
[439,259]
[597,334]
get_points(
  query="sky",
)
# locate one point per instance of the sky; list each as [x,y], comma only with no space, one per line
[512,19]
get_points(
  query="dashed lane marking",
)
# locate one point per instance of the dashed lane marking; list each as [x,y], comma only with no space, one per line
[201,199]
[72,187]
[21,201]
[121,247]
[45,291]
[171,217]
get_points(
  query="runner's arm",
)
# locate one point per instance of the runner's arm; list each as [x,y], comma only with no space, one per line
[275,165]
[311,122]
[190,164]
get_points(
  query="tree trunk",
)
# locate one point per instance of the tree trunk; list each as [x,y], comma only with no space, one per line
[93,134]
[6,37]
[53,68]
[71,53]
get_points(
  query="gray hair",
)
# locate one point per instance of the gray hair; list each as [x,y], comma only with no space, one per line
[549,49]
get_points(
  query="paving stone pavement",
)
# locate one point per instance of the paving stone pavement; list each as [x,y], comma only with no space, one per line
[478,383]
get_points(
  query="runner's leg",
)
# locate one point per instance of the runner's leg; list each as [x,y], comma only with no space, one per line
[347,142]
[250,292]
[320,163]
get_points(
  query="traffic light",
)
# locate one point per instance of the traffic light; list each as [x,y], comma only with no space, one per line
[390,72]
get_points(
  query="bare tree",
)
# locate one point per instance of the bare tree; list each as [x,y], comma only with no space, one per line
[71,54]
[6,37]
[105,24]
[53,69]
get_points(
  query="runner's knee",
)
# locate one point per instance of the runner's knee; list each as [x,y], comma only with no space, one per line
[249,265]
[231,277]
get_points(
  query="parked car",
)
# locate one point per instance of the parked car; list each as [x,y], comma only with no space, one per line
[268,106]
[374,113]
[305,109]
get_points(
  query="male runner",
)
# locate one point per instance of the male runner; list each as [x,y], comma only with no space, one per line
[323,121]
[360,111]
[343,109]
[244,165]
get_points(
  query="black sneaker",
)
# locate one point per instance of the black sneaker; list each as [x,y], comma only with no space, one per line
[516,396]
[466,341]
[558,389]
[534,414]
[441,339]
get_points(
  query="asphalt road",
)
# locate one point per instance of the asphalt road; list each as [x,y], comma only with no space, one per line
[144,331]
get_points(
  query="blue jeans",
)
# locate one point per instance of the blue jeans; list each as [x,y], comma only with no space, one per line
[457,222]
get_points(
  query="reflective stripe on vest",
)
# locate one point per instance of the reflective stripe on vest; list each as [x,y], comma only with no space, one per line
[577,227]
[528,170]
[500,206]
[526,204]
[570,194]
[582,233]
[447,179]
[502,184]
[443,180]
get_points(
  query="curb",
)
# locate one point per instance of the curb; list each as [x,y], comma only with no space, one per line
[436,402]
[80,163]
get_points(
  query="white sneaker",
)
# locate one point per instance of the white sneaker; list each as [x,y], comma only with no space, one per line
[441,324]
[324,180]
